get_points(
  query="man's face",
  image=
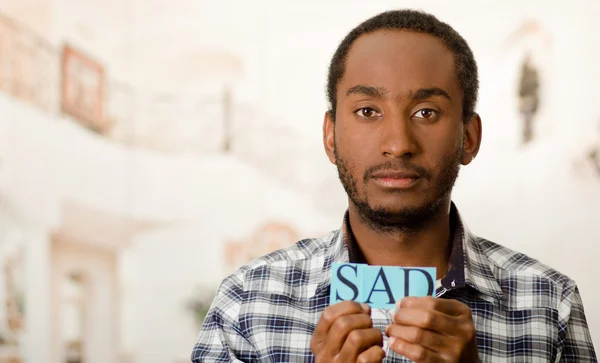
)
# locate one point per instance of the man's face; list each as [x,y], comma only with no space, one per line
[399,138]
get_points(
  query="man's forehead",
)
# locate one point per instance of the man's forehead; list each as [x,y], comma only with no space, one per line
[403,40]
[399,60]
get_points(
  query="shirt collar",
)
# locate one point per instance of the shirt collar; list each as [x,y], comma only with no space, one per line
[468,265]
[476,266]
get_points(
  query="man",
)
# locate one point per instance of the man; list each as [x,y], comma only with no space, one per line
[402,88]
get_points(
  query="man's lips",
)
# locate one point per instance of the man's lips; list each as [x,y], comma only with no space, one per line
[399,179]
[395,174]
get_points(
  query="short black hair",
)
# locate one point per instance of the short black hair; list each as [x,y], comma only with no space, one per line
[418,21]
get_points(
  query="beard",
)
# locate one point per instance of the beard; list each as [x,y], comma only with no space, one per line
[406,220]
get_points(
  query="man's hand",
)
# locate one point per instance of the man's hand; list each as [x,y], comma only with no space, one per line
[427,329]
[345,334]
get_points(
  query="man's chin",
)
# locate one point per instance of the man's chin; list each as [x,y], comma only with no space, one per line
[400,215]
[398,211]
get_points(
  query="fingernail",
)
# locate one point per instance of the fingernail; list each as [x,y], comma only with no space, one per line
[398,304]
[365,307]
[386,328]
[391,341]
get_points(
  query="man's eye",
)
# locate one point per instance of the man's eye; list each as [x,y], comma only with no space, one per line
[367,112]
[425,114]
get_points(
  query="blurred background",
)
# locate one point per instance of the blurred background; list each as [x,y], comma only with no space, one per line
[150,147]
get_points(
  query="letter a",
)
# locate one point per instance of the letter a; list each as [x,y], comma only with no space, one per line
[387,289]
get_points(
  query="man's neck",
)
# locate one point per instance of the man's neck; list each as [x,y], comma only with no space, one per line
[427,247]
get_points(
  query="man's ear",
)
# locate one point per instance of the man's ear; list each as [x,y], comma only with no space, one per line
[329,136]
[472,139]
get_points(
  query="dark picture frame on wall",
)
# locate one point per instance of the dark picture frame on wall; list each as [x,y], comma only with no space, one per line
[82,89]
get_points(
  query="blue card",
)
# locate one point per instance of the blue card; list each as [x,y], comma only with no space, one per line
[347,278]
[379,286]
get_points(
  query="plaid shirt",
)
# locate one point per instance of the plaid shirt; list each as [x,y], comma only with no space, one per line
[523,310]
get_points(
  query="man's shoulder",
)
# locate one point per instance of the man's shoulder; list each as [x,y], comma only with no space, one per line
[294,270]
[514,269]
[304,250]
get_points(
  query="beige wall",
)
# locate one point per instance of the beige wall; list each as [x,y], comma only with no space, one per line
[202,202]
[100,306]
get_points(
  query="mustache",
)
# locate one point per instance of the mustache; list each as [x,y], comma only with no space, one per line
[397,165]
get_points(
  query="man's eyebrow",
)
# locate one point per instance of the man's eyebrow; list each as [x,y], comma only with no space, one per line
[424,93]
[371,91]
[381,92]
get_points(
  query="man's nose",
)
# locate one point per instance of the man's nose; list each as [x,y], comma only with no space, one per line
[398,137]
